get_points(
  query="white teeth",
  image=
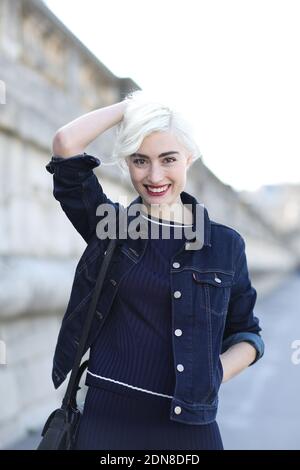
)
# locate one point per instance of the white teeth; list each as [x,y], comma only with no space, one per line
[156,190]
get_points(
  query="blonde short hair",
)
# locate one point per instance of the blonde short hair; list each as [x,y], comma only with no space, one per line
[144,115]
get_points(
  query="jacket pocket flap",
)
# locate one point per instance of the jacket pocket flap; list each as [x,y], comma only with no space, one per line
[214,278]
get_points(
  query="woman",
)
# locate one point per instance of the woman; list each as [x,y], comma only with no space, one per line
[175,318]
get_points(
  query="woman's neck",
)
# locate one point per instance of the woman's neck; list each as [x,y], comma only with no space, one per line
[176,212]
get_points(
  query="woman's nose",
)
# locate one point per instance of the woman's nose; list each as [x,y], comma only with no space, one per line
[155,175]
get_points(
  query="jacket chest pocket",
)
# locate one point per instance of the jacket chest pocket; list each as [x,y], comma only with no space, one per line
[213,290]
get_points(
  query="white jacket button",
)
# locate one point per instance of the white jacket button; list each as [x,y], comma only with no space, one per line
[177,410]
[177,294]
[176,265]
[178,332]
[180,367]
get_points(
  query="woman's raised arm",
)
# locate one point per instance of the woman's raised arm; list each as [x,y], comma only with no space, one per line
[75,185]
[74,137]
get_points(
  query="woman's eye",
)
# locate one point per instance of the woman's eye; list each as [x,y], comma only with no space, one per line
[139,161]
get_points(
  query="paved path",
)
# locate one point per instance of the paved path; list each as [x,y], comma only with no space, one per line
[260,408]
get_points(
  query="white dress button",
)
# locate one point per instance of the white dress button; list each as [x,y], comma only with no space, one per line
[218,280]
[177,294]
[176,265]
[180,367]
[178,332]
[177,410]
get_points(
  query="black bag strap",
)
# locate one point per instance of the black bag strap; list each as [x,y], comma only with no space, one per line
[73,398]
[70,395]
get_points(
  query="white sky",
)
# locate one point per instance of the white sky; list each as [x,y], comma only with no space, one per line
[231,66]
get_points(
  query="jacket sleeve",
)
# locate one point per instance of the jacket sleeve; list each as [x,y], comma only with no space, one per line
[78,191]
[241,323]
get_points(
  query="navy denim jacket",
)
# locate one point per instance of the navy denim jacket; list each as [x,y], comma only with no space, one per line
[212,295]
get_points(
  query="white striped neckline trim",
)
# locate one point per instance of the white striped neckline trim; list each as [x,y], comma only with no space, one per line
[163,223]
[129,386]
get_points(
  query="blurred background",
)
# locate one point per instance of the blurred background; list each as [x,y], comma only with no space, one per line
[232,68]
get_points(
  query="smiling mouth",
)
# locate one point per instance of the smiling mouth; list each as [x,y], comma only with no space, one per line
[156,190]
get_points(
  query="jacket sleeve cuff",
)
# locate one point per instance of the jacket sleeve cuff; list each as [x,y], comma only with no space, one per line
[251,338]
[76,164]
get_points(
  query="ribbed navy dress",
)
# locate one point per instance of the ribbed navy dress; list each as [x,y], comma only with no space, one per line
[131,374]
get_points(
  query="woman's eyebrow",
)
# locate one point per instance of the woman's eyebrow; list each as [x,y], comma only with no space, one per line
[164,154]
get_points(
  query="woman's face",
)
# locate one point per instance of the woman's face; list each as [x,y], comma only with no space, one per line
[150,167]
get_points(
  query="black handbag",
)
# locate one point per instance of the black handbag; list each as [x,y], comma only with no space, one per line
[61,428]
